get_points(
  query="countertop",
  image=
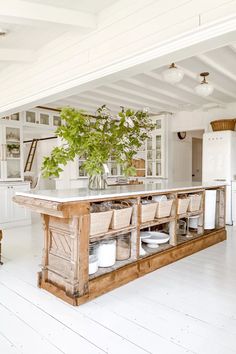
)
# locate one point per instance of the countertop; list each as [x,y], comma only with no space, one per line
[85,194]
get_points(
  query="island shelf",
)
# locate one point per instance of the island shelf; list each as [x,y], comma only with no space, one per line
[67,240]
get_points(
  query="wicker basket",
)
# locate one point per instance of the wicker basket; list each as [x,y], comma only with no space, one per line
[182,205]
[195,202]
[121,217]
[148,212]
[223,124]
[100,222]
[164,208]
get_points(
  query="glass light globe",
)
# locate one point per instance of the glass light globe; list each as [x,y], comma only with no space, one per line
[173,75]
[204,89]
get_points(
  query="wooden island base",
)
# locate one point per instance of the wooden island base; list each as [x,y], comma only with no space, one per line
[72,229]
[109,281]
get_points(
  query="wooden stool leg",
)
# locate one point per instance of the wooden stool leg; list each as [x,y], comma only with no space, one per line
[1,247]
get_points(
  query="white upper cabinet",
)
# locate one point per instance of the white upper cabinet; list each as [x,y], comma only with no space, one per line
[43,118]
[11,159]
[156,150]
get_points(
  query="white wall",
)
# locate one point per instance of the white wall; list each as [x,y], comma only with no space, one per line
[199,119]
[125,30]
[194,123]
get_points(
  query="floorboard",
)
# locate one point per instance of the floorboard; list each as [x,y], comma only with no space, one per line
[186,307]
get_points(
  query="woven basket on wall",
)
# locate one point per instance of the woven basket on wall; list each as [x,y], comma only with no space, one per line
[223,124]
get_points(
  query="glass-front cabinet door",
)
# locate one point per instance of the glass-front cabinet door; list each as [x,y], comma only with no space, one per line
[155,151]
[44,119]
[30,117]
[11,153]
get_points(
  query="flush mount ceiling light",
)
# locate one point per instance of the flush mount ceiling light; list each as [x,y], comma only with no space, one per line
[204,89]
[173,74]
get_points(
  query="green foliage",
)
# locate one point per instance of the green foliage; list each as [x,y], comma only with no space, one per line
[98,139]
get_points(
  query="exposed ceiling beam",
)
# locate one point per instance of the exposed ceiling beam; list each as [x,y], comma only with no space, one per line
[101,99]
[157,90]
[134,91]
[192,75]
[17,55]
[191,95]
[137,102]
[89,100]
[23,12]
[218,67]
[75,103]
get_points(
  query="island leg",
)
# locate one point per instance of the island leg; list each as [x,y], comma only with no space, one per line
[65,257]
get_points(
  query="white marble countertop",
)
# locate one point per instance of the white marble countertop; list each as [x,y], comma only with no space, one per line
[85,194]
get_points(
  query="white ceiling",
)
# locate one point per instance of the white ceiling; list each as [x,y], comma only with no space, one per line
[91,6]
[147,89]
[32,24]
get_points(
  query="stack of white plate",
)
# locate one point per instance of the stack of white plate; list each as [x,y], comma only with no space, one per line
[154,238]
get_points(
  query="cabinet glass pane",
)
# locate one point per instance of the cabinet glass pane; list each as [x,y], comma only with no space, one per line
[56,121]
[149,155]
[149,168]
[149,144]
[12,135]
[158,124]
[44,118]
[82,172]
[113,169]
[158,147]
[13,168]
[30,117]
[13,150]
[158,168]
[15,116]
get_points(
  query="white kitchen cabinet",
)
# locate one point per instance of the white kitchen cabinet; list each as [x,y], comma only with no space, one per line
[11,214]
[11,157]
[41,118]
[156,150]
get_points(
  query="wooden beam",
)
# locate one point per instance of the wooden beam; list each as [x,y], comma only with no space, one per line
[22,12]
[17,55]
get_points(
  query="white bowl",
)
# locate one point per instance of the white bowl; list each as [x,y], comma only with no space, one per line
[156,238]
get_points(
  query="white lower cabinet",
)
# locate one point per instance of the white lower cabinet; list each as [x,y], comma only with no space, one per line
[11,214]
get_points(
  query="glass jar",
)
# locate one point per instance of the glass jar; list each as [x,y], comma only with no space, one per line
[123,247]
[93,258]
[107,253]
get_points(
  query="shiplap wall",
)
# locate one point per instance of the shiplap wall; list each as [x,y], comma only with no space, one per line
[125,29]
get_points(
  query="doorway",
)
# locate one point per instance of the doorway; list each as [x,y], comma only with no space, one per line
[196,159]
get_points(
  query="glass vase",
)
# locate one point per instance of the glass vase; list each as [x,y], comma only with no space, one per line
[99,181]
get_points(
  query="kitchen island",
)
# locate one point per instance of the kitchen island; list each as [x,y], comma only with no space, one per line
[77,222]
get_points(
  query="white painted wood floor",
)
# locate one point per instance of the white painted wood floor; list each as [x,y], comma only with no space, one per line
[186,307]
